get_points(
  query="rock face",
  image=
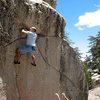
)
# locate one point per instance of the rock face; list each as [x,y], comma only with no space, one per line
[51,2]
[94,94]
[58,69]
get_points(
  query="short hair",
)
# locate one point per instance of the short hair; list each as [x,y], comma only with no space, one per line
[34,28]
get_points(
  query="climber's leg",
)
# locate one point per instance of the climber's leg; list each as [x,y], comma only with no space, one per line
[33,56]
[33,60]
[19,51]
[23,50]
[17,56]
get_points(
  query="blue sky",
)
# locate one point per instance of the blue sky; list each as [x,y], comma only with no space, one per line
[83,20]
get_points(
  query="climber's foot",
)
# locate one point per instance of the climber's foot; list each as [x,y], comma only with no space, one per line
[16,62]
[33,64]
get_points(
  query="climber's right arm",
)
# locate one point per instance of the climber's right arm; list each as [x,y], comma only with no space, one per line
[24,31]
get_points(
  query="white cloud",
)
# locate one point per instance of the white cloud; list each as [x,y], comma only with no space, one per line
[89,20]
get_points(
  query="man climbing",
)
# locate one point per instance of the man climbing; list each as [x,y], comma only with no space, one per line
[29,47]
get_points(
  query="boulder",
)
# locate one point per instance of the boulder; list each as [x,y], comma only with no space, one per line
[58,68]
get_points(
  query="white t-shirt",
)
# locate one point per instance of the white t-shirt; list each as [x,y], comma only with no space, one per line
[31,38]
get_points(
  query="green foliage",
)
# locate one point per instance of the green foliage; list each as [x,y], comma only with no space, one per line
[93,62]
[94,39]
[78,53]
[95,45]
[95,50]
[76,49]
[67,38]
[88,75]
[97,62]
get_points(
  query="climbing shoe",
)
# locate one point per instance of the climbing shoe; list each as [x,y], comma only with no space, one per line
[33,64]
[16,62]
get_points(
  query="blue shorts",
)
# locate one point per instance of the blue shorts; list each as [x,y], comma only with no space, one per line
[27,49]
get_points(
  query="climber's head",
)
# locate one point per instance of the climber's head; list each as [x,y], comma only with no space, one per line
[33,29]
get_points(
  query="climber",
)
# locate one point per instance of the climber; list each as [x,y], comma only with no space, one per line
[29,47]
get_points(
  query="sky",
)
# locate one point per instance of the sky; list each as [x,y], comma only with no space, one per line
[82,20]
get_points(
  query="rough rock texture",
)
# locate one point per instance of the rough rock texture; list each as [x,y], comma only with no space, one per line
[72,80]
[58,69]
[51,2]
[94,94]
